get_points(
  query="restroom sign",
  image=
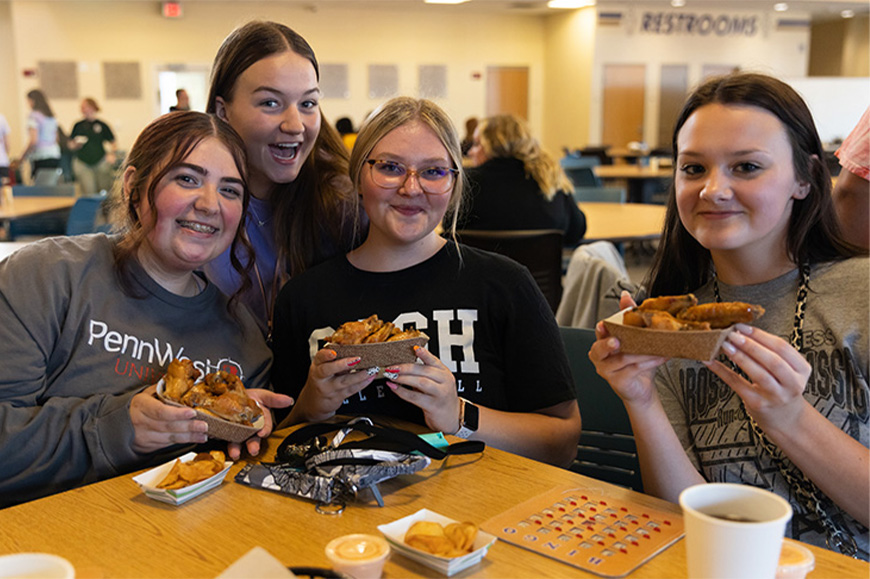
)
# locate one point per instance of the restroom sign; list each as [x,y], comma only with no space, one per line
[698,24]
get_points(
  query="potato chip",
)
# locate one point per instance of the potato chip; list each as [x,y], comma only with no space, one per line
[455,540]
[204,465]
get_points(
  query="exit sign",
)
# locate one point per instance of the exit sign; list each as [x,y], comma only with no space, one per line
[172,10]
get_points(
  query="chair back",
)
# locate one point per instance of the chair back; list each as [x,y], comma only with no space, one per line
[44,190]
[540,250]
[83,215]
[607,450]
[581,170]
[600,194]
[46,176]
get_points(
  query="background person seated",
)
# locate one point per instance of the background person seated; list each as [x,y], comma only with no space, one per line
[517,185]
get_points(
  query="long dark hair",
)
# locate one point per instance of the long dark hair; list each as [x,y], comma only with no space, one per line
[681,264]
[40,103]
[313,214]
[159,148]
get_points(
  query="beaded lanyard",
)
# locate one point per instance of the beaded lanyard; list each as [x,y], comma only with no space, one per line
[804,489]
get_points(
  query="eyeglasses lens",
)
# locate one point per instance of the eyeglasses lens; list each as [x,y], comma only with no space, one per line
[392,175]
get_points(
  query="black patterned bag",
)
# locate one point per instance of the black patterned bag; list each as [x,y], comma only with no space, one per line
[330,471]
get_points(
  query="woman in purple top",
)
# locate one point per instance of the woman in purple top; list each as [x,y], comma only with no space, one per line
[264,83]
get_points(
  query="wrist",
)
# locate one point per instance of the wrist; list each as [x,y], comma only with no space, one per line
[469,418]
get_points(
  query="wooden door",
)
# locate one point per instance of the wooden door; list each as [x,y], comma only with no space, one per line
[507,91]
[672,93]
[623,110]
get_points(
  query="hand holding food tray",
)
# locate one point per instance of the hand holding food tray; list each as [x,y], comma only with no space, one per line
[678,327]
[378,344]
[220,400]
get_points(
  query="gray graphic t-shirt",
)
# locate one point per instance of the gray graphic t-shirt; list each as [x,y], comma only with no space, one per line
[710,419]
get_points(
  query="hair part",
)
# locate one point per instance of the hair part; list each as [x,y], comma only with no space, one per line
[159,148]
[681,264]
[246,45]
[312,220]
[398,112]
[508,136]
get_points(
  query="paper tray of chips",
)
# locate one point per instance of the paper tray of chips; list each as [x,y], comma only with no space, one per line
[149,480]
[218,427]
[692,344]
[378,356]
[394,533]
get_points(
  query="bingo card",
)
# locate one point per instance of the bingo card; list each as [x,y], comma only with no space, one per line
[587,529]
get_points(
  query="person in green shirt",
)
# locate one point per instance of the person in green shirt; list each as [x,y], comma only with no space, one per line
[93,164]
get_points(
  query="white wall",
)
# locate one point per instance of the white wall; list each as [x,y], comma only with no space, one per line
[837,103]
[93,32]
[782,53]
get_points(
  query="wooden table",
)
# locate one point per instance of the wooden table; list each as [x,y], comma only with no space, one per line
[110,529]
[639,179]
[16,207]
[12,208]
[621,222]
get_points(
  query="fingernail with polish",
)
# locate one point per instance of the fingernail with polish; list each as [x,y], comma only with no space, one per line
[373,370]
[737,338]
[728,348]
[354,362]
[391,375]
[392,386]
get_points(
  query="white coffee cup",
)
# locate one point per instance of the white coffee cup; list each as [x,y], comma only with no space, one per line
[733,530]
[36,566]
[360,556]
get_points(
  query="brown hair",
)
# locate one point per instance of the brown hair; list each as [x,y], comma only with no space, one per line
[159,148]
[681,264]
[401,111]
[40,103]
[92,103]
[313,214]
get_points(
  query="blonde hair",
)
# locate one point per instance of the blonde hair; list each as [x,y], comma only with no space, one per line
[509,136]
[401,111]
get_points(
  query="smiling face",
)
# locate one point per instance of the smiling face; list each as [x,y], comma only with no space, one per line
[735,183]
[275,109]
[405,216]
[198,205]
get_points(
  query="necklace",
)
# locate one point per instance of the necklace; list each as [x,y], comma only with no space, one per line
[801,487]
[269,298]
[260,222]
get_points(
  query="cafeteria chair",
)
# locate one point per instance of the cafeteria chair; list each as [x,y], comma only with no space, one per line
[65,190]
[600,194]
[581,170]
[83,215]
[607,450]
[595,277]
[540,250]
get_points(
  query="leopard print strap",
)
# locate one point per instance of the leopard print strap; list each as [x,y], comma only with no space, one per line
[803,489]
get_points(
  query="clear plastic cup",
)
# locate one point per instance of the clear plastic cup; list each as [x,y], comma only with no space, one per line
[360,556]
[795,561]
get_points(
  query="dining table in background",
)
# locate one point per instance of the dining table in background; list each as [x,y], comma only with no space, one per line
[641,181]
[12,208]
[110,529]
[622,222]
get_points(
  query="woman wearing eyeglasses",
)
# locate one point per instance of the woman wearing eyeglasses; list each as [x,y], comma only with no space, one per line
[494,368]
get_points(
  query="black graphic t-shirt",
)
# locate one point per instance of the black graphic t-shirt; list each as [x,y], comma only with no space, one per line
[485,317]
[711,421]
